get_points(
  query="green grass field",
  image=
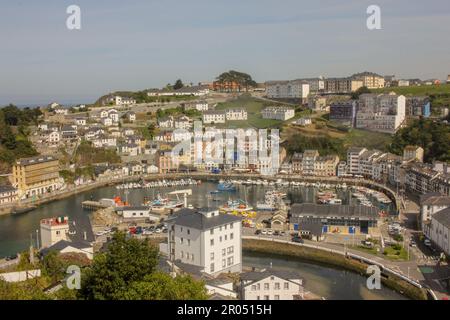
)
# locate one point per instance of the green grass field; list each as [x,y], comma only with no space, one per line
[418,90]
[253,107]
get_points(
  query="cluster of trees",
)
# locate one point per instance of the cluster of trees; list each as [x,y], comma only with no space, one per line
[87,155]
[432,136]
[160,113]
[243,79]
[324,144]
[128,270]
[14,133]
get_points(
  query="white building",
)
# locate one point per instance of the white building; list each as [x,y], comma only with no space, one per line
[271,285]
[107,122]
[81,121]
[120,101]
[381,112]
[236,114]
[438,230]
[8,194]
[278,113]
[295,89]
[206,240]
[303,122]
[430,204]
[210,117]
[138,213]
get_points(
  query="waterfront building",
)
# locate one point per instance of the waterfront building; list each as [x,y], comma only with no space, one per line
[278,113]
[297,162]
[236,114]
[342,85]
[8,194]
[438,230]
[271,285]
[425,178]
[344,112]
[204,240]
[64,236]
[329,218]
[213,117]
[430,204]
[295,89]
[413,153]
[380,112]
[36,176]
[370,80]
[308,161]
[138,213]
[326,166]
[353,155]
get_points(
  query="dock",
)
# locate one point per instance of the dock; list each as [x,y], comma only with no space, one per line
[93,205]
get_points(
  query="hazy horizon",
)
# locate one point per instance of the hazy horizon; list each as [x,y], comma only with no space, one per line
[136,45]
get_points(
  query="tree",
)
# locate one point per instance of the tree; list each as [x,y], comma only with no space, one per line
[178,84]
[53,266]
[127,260]
[161,286]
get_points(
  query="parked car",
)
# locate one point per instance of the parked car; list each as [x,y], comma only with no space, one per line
[264,232]
[158,230]
[427,242]
[297,239]
[412,243]
[258,232]
[269,232]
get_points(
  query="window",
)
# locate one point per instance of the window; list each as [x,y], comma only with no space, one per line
[224,263]
[211,267]
[211,255]
[231,226]
[253,288]
[181,229]
[220,238]
[277,297]
[277,286]
[266,297]
[286,285]
[181,240]
[192,257]
[211,242]
[231,236]
[188,231]
[258,286]
[258,298]
[187,255]
[226,237]
[211,231]
[189,242]
[266,286]
[223,252]
[225,227]
[58,233]
[182,254]
[220,229]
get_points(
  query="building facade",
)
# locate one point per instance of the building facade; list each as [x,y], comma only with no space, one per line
[36,176]
[205,239]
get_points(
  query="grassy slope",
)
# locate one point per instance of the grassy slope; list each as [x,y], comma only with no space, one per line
[418,90]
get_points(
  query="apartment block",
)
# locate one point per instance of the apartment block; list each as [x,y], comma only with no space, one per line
[278,113]
[205,240]
[344,112]
[370,80]
[380,112]
[342,85]
[295,89]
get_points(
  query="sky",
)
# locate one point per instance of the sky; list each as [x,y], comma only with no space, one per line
[135,45]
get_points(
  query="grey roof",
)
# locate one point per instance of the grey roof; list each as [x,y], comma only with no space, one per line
[61,245]
[195,219]
[35,160]
[314,227]
[257,276]
[443,217]
[332,210]
[133,208]
[80,228]
[434,199]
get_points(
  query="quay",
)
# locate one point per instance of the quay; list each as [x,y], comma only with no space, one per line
[93,205]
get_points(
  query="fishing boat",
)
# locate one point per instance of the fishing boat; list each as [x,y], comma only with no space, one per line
[265,207]
[236,205]
[226,186]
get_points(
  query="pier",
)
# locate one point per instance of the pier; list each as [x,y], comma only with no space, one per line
[93,205]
